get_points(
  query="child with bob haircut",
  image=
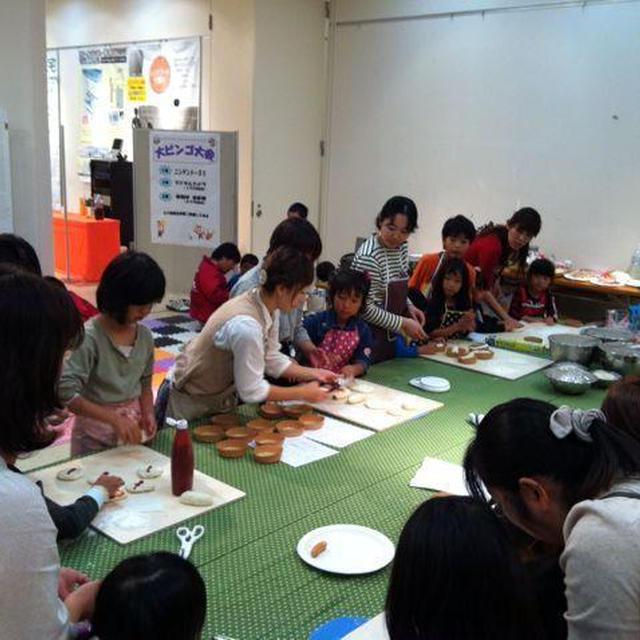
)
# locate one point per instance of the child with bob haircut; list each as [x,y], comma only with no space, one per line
[210,288]
[384,257]
[342,338]
[621,405]
[457,235]
[454,551]
[239,345]
[448,311]
[569,479]
[533,301]
[157,595]
[106,382]
[495,248]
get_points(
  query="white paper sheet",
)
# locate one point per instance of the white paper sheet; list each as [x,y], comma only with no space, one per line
[374,629]
[297,452]
[439,475]
[337,433]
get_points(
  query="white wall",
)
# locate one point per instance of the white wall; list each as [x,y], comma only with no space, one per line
[481,114]
[23,94]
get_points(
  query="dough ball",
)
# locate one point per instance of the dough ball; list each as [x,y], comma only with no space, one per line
[361,387]
[339,395]
[376,403]
[140,486]
[196,499]
[149,472]
[411,405]
[356,398]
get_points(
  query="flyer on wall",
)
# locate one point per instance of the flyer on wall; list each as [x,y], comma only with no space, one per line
[185,188]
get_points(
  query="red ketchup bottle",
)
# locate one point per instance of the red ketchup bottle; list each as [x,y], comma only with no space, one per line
[181,460]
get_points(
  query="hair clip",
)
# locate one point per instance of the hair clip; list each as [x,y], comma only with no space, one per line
[262,277]
[566,420]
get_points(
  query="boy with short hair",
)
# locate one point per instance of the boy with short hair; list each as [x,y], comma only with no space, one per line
[248,261]
[457,234]
[298,210]
[210,288]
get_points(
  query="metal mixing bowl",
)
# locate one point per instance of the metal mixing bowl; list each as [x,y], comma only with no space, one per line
[570,378]
[623,357]
[572,348]
[607,334]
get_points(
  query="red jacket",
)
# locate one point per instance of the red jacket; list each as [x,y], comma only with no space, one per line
[209,290]
[485,253]
[84,307]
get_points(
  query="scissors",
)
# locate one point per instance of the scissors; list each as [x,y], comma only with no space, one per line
[187,538]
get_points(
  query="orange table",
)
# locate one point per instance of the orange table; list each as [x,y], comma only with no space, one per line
[92,245]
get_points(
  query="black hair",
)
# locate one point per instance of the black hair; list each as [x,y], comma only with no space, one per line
[541,267]
[249,259]
[298,234]
[38,323]
[527,219]
[463,297]
[226,250]
[455,575]
[399,205]
[16,250]
[459,226]
[621,405]
[349,281]
[301,209]
[514,440]
[157,595]
[287,267]
[324,270]
[132,278]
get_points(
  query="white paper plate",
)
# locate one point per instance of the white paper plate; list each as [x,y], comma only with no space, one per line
[351,549]
[435,384]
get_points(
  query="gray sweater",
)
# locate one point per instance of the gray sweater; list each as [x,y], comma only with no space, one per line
[601,564]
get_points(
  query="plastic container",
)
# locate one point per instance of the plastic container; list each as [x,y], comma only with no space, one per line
[634,267]
[181,460]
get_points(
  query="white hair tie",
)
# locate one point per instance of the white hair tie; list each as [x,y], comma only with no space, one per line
[262,277]
[566,420]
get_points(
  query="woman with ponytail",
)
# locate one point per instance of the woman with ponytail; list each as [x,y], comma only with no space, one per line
[567,477]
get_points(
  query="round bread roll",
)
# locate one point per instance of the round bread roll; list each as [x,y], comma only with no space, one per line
[339,395]
[225,420]
[296,410]
[231,448]
[483,354]
[271,411]
[267,454]
[534,339]
[196,499]
[440,347]
[361,387]
[268,438]
[70,473]
[241,433]
[209,433]
[260,424]
[468,358]
[311,421]
[290,428]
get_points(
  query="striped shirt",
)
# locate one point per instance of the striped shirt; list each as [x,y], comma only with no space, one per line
[383,266]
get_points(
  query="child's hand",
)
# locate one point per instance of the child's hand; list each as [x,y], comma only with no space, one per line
[109,482]
[126,429]
[350,371]
[318,358]
[468,321]
[68,579]
[312,392]
[511,325]
[81,602]
[550,320]
[323,375]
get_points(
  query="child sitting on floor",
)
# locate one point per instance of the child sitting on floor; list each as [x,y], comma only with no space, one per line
[210,288]
[107,381]
[247,262]
[448,311]
[533,301]
[158,595]
[343,340]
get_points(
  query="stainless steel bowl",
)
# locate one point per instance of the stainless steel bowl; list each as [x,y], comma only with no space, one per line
[606,378]
[607,334]
[572,348]
[623,357]
[570,378]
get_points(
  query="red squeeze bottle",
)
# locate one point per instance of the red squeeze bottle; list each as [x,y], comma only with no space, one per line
[181,460]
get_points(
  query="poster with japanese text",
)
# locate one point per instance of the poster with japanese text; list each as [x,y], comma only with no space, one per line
[185,188]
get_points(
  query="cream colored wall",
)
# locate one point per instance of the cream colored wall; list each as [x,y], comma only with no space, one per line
[23,94]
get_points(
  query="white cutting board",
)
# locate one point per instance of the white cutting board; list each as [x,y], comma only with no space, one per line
[140,514]
[379,419]
[506,364]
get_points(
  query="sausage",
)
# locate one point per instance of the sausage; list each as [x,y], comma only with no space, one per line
[318,548]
